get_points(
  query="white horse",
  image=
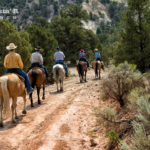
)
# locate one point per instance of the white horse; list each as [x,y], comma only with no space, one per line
[59,73]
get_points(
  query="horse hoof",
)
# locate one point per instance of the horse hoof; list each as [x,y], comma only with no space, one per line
[43,97]
[24,112]
[16,117]
[32,105]
[39,103]
[13,121]
[1,125]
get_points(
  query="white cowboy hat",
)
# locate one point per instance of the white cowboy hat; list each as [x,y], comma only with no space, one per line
[11,46]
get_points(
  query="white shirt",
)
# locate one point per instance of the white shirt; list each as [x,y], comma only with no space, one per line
[36,57]
[59,56]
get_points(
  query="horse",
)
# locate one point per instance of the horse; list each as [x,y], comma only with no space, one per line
[11,86]
[97,68]
[59,73]
[82,70]
[37,78]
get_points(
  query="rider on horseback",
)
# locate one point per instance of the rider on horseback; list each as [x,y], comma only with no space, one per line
[98,57]
[37,60]
[82,57]
[59,59]
[13,63]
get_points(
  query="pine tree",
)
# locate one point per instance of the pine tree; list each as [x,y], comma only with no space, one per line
[135,39]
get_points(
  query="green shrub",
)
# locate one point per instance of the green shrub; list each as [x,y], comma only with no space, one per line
[120,81]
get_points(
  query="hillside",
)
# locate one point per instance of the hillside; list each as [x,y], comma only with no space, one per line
[23,12]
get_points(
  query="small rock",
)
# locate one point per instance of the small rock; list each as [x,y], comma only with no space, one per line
[93,143]
[95,129]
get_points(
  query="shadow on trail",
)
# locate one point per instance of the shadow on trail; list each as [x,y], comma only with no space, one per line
[56,93]
[36,105]
[8,124]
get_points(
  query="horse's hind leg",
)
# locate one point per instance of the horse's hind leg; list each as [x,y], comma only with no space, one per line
[38,93]
[24,107]
[99,74]
[13,108]
[85,76]
[31,100]
[1,109]
[61,85]
[43,92]
[57,86]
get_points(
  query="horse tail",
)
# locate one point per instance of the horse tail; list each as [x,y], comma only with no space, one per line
[34,77]
[96,68]
[5,93]
[80,70]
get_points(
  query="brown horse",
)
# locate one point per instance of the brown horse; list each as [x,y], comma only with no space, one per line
[82,70]
[11,86]
[37,78]
[97,68]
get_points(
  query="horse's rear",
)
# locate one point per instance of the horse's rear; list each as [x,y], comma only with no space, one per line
[37,78]
[97,68]
[59,73]
[11,86]
[82,70]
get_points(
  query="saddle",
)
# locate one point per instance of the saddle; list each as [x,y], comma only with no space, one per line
[15,72]
[36,65]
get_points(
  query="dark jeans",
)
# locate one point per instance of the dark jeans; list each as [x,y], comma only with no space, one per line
[63,63]
[83,59]
[40,66]
[23,74]
[99,59]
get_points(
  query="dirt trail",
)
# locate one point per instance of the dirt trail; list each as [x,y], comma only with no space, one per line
[64,121]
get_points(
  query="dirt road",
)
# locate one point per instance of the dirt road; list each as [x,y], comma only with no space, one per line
[64,121]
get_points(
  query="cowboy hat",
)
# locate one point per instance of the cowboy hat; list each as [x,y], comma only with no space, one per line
[58,48]
[38,48]
[82,51]
[11,46]
[95,50]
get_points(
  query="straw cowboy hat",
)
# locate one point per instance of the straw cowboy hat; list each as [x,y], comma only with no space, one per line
[38,48]
[11,46]
[95,50]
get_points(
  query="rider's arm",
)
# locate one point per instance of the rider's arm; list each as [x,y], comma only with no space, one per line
[5,62]
[20,63]
[41,59]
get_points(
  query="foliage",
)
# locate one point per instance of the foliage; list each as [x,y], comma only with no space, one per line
[42,36]
[121,80]
[74,11]
[9,34]
[141,136]
[113,137]
[73,36]
[134,42]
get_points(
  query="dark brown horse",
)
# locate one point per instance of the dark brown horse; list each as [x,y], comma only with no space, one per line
[37,78]
[82,70]
[97,68]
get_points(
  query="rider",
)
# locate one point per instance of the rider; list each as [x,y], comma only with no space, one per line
[59,58]
[98,57]
[13,63]
[82,57]
[37,60]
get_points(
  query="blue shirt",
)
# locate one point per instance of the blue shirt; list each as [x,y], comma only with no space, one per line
[82,55]
[97,55]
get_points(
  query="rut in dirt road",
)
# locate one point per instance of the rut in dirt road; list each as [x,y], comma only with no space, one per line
[62,122]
